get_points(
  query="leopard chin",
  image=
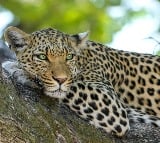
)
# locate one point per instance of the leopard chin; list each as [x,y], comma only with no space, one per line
[55,94]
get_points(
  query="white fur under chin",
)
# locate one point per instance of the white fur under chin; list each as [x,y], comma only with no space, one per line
[56,94]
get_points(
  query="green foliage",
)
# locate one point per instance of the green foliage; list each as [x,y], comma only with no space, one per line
[70,16]
[158,53]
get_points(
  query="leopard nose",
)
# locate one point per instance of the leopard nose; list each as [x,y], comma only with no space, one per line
[60,80]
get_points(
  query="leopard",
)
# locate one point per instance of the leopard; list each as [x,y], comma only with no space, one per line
[107,87]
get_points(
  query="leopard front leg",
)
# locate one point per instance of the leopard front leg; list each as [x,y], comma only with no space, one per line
[99,104]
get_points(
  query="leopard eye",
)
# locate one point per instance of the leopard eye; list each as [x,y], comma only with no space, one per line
[42,57]
[69,57]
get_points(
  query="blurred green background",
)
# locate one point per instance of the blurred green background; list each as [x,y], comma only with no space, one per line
[103,18]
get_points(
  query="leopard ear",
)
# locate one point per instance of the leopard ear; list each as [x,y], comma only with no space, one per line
[80,39]
[16,38]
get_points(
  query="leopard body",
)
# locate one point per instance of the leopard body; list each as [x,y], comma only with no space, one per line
[101,84]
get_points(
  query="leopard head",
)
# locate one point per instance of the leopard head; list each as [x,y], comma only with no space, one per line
[49,55]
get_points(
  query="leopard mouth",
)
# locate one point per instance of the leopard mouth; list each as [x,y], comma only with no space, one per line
[59,93]
[56,94]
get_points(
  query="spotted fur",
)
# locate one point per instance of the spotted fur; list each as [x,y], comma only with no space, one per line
[105,86]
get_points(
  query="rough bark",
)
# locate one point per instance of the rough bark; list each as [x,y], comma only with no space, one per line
[28,116]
